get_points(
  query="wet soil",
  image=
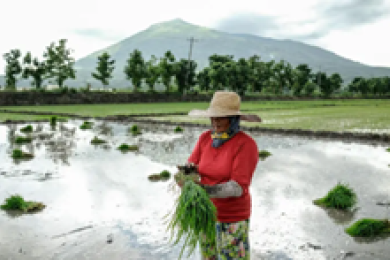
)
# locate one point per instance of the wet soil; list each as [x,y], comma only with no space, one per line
[101,205]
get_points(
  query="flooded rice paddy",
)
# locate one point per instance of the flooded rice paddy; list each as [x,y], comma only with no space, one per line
[100,204]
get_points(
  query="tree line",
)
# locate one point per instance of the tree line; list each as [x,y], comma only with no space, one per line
[223,72]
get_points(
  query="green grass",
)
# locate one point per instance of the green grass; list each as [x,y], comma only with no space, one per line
[126,147]
[340,197]
[368,228]
[21,117]
[332,115]
[263,154]
[23,140]
[17,202]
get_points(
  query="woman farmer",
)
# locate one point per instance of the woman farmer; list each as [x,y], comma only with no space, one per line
[226,159]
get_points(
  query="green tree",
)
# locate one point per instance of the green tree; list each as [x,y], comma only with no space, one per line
[152,73]
[13,68]
[167,69]
[104,68]
[302,76]
[238,74]
[283,75]
[135,69]
[35,69]
[185,74]
[219,66]
[59,62]
[335,81]
[203,79]
[309,88]
[260,73]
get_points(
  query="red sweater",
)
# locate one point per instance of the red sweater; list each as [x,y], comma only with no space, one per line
[235,160]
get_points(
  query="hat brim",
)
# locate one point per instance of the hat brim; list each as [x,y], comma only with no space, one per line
[208,113]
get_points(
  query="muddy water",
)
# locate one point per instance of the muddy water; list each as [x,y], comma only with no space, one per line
[100,204]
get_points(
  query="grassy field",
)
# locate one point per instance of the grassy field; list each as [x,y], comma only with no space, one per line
[336,115]
[12,116]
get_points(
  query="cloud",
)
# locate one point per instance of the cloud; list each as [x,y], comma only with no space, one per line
[97,34]
[248,23]
[323,18]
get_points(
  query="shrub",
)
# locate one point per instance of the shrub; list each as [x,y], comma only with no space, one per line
[368,228]
[178,129]
[16,202]
[23,140]
[26,129]
[340,197]
[264,154]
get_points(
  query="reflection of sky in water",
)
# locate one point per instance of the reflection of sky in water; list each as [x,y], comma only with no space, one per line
[99,185]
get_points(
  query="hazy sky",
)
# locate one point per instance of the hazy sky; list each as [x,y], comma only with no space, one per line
[355,29]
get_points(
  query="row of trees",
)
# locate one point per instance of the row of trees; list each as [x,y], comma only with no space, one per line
[223,72]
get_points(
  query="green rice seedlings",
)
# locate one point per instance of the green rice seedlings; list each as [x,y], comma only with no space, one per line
[165,174]
[194,216]
[126,147]
[340,197]
[26,129]
[86,125]
[135,130]
[97,141]
[178,129]
[369,228]
[263,154]
[154,177]
[53,121]
[23,140]
[388,149]
[16,202]
[19,154]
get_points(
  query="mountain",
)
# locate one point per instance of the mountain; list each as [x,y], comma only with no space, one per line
[173,35]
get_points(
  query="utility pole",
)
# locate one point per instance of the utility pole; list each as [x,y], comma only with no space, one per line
[192,40]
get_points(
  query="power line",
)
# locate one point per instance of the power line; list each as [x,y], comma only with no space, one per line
[192,40]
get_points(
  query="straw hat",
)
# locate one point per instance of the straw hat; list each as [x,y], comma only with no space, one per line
[224,104]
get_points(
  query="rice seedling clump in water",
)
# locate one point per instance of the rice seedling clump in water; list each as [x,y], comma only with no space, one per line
[16,202]
[194,217]
[53,120]
[86,125]
[178,129]
[126,147]
[96,140]
[368,228]
[388,149]
[264,154]
[23,140]
[19,154]
[165,174]
[26,129]
[340,197]
[135,130]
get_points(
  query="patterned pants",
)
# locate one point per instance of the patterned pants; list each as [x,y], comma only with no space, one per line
[232,242]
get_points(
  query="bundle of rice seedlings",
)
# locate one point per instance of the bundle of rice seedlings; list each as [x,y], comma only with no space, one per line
[178,129]
[165,175]
[126,147]
[16,202]
[86,125]
[23,140]
[340,197]
[96,140]
[388,149]
[135,130]
[19,154]
[369,228]
[263,154]
[26,129]
[193,217]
